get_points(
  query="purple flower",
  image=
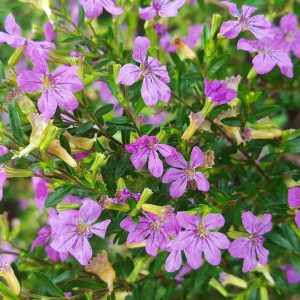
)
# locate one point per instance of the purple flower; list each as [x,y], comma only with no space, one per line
[41,191]
[184,172]
[258,25]
[145,149]
[291,276]
[174,260]
[44,237]
[57,87]
[8,257]
[289,35]
[218,92]
[162,8]
[151,228]
[3,175]
[197,238]
[153,88]
[13,38]
[268,56]
[251,248]
[94,8]
[49,32]
[294,201]
[72,229]
[186,269]
[123,195]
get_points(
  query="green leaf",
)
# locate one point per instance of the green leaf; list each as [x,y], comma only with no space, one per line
[217,63]
[58,195]
[232,121]
[113,88]
[81,17]
[205,36]
[105,109]
[7,293]
[2,72]
[6,157]
[122,166]
[266,111]
[83,128]
[48,284]
[15,123]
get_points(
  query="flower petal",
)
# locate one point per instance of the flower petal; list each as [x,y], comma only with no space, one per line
[230,29]
[201,181]
[187,220]
[141,45]
[213,221]
[147,13]
[100,228]
[197,157]
[129,74]
[47,105]
[89,211]
[178,187]
[155,165]
[174,261]
[29,81]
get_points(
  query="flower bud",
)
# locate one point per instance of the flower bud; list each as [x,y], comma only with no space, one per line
[43,132]
[25,103]
[9,276]
[101,267]
[15,57]
[146,194]
[252,74]
[266,272]
[161,135]
[263,134]
[4,225]
[215,24]
[13,172]
[139,263]
[185,49]
[66,206]
[195,122]
[228,279]
[209,160]
[56,149]
[100,160]
[121,184]
[79,144]
[116,70]
[10,77]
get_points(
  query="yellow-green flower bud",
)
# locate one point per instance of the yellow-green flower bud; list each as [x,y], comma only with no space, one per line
[9,276]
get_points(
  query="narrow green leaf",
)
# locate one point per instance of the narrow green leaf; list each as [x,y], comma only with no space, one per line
[266,111]
[6,157]
[113,88]
[232,121]
[105,109]
[2,72]
[48,284]
[15,123]
[217,63]
[122,166]
[58,195]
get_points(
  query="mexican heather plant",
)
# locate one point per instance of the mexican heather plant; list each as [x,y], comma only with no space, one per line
[149,149]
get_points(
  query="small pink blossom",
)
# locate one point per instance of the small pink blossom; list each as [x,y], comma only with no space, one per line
[251,248]
[57,87]
[145,149]
[182,173]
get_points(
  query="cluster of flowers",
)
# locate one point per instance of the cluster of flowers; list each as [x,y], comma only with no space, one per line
[69,231]
[193,235]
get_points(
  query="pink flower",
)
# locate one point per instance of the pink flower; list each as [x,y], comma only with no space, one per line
[291,276]
[269,55]
[218,92]
[258,25]
[145,149]
[162,8]
[154,75]
[14,38]
[182,173]
[41,191]
[49,32]
[197,238]
[72,229]
[3,175]
[44,237]
[151,228]
[94,8]
[251,248]
[57,87]
[294,202]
